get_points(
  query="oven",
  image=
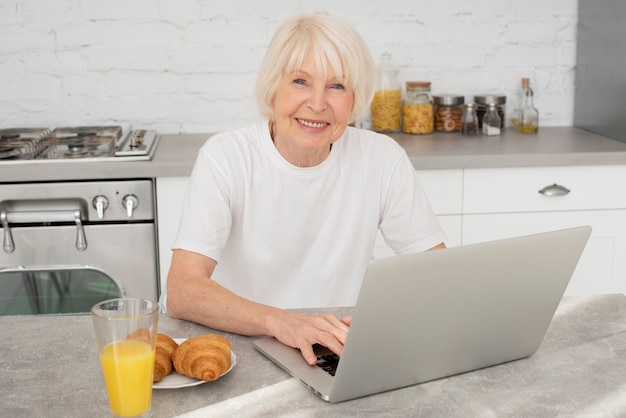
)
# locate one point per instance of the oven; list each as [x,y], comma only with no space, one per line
[67,245]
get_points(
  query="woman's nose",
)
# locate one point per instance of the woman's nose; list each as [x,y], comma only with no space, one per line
[317,100]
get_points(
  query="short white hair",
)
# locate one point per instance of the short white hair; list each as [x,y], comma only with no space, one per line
[332,41]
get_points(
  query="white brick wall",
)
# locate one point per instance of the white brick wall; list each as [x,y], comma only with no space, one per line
[183,66]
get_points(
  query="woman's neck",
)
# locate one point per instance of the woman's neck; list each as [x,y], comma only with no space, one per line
[295,155]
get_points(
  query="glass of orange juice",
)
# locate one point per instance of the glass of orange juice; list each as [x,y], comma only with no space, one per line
[126,331]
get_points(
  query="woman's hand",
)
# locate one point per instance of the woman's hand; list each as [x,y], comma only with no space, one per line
[302,331]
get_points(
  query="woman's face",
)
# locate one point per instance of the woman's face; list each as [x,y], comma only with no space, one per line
[310,113]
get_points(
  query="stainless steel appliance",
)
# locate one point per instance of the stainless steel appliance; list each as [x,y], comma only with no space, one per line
[84,144]
[600,62]
[67,245]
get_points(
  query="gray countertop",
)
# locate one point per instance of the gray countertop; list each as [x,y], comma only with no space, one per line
[50,368]
[175,155]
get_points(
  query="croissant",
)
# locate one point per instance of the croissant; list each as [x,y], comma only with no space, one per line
[165,348]
[140,334]
[204,357]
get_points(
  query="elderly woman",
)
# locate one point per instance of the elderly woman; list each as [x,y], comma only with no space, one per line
[284,213]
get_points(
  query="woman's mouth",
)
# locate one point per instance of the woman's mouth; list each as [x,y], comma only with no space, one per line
[310,124]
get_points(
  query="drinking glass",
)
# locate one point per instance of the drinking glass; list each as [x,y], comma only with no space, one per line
[126,331]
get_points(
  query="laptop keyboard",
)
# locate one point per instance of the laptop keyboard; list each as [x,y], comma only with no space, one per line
[328,363]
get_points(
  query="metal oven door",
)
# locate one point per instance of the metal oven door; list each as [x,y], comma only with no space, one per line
[65,268]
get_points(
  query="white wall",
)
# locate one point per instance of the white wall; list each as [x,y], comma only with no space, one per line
[183,66]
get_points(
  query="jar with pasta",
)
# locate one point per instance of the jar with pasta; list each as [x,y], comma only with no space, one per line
[386,106]
[417,110]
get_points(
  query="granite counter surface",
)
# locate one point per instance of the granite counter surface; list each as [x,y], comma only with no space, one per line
[175,155]
[50,368]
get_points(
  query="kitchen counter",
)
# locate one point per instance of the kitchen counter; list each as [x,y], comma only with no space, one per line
[50,368]
[175,155]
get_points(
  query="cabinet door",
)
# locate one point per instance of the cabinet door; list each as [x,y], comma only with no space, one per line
[510,190]
[602,267]
[170,192]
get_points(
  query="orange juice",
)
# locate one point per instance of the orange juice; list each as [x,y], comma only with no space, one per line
[128,367]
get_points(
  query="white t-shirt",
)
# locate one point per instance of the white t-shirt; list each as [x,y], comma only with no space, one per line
[296,237]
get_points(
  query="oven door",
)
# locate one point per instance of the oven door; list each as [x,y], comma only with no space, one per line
[49,266]
[54,289]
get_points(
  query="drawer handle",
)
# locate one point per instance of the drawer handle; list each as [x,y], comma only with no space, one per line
[554,190]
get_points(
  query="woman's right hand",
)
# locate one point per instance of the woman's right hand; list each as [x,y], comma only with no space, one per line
[302,331]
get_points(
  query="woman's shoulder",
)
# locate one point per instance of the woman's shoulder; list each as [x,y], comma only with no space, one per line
[245,133]
[244,137]
[370,140]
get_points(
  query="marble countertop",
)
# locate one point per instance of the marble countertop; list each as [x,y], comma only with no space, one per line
[50,368]
[175,155]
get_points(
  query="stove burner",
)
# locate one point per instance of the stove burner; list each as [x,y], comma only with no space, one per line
[20,143]
[78,145]
[76,150]
[102,143]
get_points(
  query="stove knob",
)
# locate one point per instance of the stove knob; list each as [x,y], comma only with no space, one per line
[130,202]
[100,203]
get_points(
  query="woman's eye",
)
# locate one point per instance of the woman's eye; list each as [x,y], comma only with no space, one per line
[299,81]
[337,86]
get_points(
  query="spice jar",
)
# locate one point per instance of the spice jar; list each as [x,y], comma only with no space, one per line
[491,121]
[386,106]
[417,111]
[483,101]
[469,120]
[448,112]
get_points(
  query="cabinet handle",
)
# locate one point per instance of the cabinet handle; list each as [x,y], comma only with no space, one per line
[554,190]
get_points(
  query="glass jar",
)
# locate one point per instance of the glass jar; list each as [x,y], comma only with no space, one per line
[448,112]
[386,106]
[417,110]
[491,121]
[469,120]
[482,101]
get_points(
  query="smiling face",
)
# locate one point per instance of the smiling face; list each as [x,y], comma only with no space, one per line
[312,109]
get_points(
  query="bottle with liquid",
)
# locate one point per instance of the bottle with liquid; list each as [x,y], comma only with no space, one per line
[526,117]
[386,106]
[491,121]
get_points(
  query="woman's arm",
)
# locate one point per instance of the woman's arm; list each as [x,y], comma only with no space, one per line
[192,295]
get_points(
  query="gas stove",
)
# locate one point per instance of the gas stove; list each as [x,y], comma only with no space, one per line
[79,144]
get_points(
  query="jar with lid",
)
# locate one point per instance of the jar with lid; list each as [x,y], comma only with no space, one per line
[448,112]
[386,106]
[491,121]
[469,120]
[483,101]
[417,110]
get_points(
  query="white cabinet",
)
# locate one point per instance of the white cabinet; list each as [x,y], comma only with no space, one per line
[170,192]
[500,203]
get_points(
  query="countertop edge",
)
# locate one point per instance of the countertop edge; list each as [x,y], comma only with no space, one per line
[176,155]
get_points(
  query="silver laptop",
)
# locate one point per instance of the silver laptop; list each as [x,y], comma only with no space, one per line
[430,315]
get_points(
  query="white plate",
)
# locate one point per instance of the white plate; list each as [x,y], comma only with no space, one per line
[176,381]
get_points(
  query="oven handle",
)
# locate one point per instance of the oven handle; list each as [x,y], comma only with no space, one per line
[81,239]
[42,216]
[7,245]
